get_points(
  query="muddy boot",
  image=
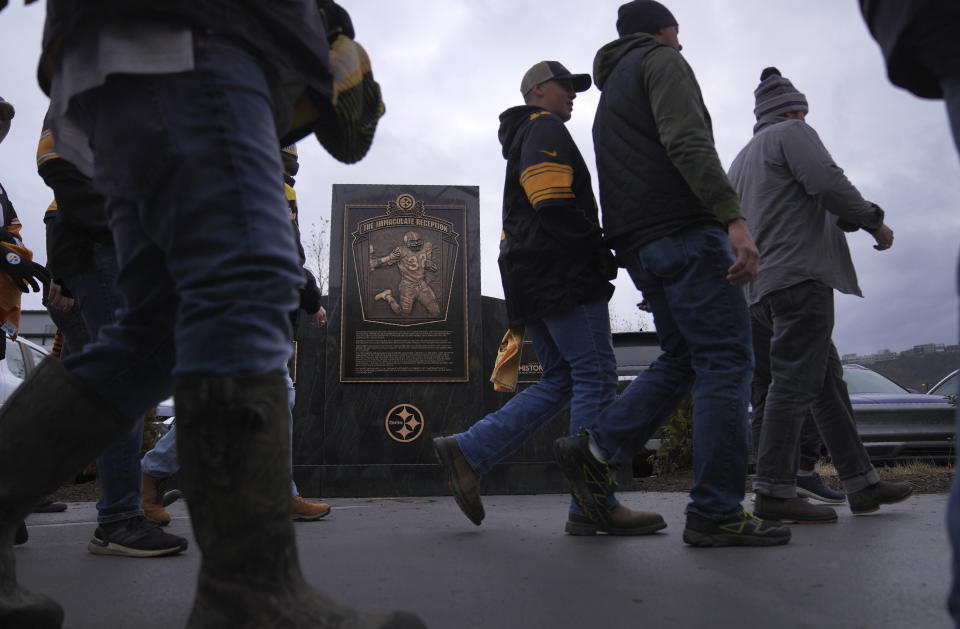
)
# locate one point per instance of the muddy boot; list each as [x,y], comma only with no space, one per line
[151,497]
[50,427]
[235,474]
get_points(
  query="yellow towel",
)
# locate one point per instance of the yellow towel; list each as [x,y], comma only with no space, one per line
[507,367]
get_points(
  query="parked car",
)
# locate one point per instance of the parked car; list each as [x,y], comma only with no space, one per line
[947,386]
[897,424]
[22,357]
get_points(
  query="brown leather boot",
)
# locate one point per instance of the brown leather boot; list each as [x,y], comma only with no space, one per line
[50,427]
[306,511]
[151,497]
[795,510]
[235,473]
[461,478]
[624,522]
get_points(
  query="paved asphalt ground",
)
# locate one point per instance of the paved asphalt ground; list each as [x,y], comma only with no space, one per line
[519,570]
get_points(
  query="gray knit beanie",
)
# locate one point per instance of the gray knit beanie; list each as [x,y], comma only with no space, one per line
[776,96]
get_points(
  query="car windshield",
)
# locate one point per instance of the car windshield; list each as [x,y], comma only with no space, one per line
[947,387]
[865,381]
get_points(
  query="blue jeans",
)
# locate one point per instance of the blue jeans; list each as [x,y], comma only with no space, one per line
[208,263]
[795,324]
[704,330]
[163,461]
[118,467]
[575,350]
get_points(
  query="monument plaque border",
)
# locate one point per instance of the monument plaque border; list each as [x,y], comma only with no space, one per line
[404,213]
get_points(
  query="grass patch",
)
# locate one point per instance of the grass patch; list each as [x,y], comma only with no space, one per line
[926,477]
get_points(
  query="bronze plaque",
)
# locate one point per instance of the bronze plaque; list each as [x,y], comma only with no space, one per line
[404,298]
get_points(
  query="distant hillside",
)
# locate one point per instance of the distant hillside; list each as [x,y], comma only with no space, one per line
[919,372]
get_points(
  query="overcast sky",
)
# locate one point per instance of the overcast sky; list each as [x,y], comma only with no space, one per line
[448,69]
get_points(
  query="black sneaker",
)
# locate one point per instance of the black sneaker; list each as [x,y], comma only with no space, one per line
[589,478]
[812,486]
[49,505]
[21,535]
[134,537]
[885,492]
[744,529]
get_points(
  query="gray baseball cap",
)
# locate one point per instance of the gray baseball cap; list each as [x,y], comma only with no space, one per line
[549,70]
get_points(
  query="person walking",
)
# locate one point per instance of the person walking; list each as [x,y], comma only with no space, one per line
[180,128]
[800,204]
[675,223]
[556,275]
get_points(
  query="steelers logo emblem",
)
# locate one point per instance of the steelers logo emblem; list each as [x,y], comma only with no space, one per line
[404,423]
[13,258]
[405,201]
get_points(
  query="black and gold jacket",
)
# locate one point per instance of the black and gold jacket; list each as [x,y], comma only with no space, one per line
[551,252]
[76,220]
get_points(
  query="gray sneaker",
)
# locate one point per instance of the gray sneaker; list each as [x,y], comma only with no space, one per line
[134,537]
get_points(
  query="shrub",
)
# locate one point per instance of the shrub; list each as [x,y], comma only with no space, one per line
[676,441]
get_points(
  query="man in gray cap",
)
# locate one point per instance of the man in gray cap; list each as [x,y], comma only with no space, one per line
[555,271]
[799,203]
[674,220]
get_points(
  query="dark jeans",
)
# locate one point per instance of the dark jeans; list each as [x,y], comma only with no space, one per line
[811,446]
[805,376]
[208,263]
[704,330]
[118,467]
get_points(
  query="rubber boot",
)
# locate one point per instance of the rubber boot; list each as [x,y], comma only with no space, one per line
[50,427]
[235,474]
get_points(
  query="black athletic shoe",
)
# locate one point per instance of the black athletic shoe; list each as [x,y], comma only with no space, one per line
[49,505]
[21,536]
[812,486]
[743,529]
[134,537]
[589,478]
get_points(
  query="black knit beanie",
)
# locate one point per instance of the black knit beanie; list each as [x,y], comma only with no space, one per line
[643,16]
[776,96]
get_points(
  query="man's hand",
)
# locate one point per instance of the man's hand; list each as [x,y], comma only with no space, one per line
[56,298]
[318,318]
[884,237]
[745,268]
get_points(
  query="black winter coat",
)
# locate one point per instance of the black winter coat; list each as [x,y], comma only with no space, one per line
[551,252]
